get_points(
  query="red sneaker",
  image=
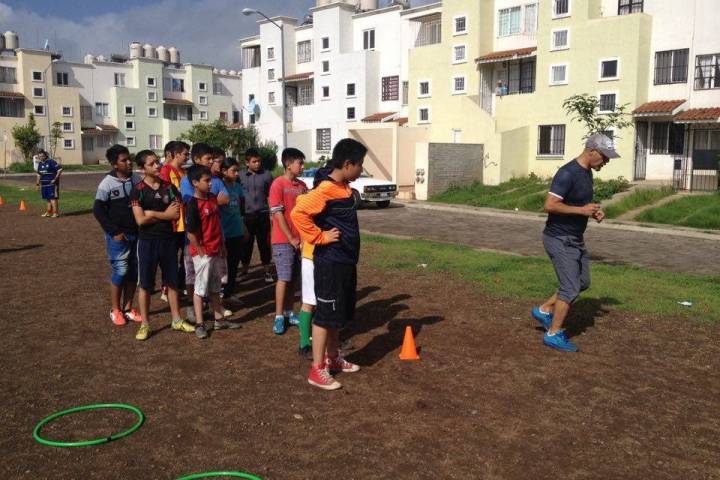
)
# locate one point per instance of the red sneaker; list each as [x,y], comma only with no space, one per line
[133,316]
[116,316]
[339,364]
[321,378]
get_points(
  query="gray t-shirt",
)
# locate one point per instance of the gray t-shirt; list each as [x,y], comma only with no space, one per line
[573,184]
[256,187]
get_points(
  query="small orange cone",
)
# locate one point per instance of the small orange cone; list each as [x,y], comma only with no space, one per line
[22,206]
[408,350]
[2,201]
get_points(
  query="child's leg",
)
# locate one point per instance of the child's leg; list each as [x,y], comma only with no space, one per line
[280,293]
[216,306]
[319,344]
[306,314]
[174,303]
[54,206]
[333,341]
[144,301]
[128,293]
[115,292]
[549,305]
[197,306]
[49,208]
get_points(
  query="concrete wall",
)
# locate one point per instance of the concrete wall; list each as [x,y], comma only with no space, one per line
[514,153]
[381,145]
[453,165]
[407,138]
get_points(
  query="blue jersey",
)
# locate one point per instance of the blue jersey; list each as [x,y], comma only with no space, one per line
[187,190]
[48,171]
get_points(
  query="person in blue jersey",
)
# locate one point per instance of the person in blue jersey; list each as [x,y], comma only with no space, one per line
[48,179]
[232,223]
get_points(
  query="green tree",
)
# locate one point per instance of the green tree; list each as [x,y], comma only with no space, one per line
[584,108]
[56,134]
[27,137]
[218,134]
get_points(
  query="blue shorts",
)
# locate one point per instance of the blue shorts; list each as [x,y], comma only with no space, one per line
[50,192]
[154,253]
[123,259]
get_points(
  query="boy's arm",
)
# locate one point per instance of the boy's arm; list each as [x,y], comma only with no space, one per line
[307,207]
[279,217]
[57,175]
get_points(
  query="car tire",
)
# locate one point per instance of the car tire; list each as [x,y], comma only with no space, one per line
[383,204]
[358,198]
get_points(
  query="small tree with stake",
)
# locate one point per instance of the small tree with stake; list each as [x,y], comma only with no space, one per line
[584,108]
[27,137]
[56,134]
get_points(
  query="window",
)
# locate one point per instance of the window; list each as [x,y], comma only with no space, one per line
[607,102]
[251,119]
[119,79]
[203,100]
[61,78]
[423,115]
[424,88]
[459,54]
[66,111]
[155,142]
[271,98]
[218,88]
[459,25]
[325,43]
[667,138]
[130,141]
[39,110]
[38,92]
[88,145]
[706,140]
[558,74]
[236,116]
[405,88]
[560,39]
[103,141]
[37,76]
[325,92]
[369,39]
[458,84]
[551,140]
[250,57]
[306,94]
[224,116]
[68,144]
[174,84]
[150,81]
[86,112]
[152,112]
[626,7]
[707,71]
[609,69]
[561,8]
[325,66]
[11,107]
[203,115]
[8,75]
[202,86]
[671,66]
[304,51]
[129,110]
[390,88]
[323,143]
[102,110]
[271,74]
[178,112]
[530,18]
[271,53]
[430,32]
[350,90]
[129,124]
[152,96]
[350,114]
[67,127]
[508,21]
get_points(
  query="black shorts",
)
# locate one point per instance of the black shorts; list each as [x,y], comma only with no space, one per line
[335,293]
[156,252]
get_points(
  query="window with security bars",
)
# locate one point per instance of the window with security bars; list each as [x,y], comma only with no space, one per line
[430,32]
[667,138]
[459,53]
[11,107]
[551,140]
[560,39]
[304,51]
[424,115]
[271,98]
[250,57]
[509,21]
[460,25]
[531,18]
[671,66]
[86,112]
[558,74]
[390,88]
[156,142]
[626,7]
[102,110]
[350,90]
[707,71]
[405,92]
[350,113]
[8,75]
[88,145]
[323,143]
[607,102]
[561,7]
[459,84]
[424,89]
[520,77]
[305,94]
[271,53]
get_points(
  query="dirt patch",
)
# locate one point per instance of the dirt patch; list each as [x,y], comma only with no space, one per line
[487,400]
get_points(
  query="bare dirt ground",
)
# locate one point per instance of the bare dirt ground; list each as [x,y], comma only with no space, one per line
[641,400]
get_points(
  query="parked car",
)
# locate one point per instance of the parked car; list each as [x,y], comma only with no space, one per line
[368,188]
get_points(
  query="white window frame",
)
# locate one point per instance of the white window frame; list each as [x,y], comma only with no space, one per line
[38,114]
[367,32]
[555,48]
[608,79]
[348,119]
[322,40]
[131,128]
[150,114]
[520,24]
[72,127]
[354,95]
[132,110]
[158,145]
[270,48]
[129,141]
[203,115]
[464,59]
[454,25]
[322,92]
[62,111]
[322,67]
[70,146]
[567,74]
[564,15]
[42,76]
[552,132]
[152,96]
[271,77]
[429,114]
[452,86]
[424,95]
[610,92]
[202,99]
[271,98]
[63,84]
[116,76]
[200,87]
[154,81]
[42,89]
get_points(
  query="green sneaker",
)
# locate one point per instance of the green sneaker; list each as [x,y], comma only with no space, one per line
[182,326]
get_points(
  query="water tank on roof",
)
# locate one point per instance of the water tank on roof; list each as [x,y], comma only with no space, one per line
[174,55]
[368,4]
[321,3]
[223,72]
[89,59]
[232,72]
[12,41]
[215,70]
[136,50]
[163,54]
[101,58]
[402,3]
[149,51]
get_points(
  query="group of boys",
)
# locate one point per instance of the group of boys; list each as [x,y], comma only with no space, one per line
[169,216]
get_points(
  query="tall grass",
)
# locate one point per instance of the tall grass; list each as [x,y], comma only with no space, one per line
[638,198]
[697,211]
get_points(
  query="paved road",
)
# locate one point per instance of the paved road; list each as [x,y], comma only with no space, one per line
[519,234]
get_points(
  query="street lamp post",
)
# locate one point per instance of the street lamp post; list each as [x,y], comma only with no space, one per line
[250,11]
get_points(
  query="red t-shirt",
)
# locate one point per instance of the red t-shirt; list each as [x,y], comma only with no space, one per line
[283,194]
[202,217]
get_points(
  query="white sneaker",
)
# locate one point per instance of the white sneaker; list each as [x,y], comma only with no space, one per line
[227,313]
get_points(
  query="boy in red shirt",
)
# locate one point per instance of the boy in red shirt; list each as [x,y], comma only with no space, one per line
[284,236]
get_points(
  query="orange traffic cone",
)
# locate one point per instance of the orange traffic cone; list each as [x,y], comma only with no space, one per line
[22,206]
[408,350]
[2,201]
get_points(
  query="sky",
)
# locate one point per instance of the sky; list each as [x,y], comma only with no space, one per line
[204,31]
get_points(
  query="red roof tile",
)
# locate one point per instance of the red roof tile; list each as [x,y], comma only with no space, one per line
[297,76]
[378,117]
[12,95]
[402,121]
[506,55]
[661,107]
[699,115]
[177,101]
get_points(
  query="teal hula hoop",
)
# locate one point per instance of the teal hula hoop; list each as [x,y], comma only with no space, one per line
[196,476]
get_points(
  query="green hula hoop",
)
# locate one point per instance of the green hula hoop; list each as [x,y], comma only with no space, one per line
[87,443]
[196,476]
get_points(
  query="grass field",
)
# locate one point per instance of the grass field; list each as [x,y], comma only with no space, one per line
[70,201]
[637,199]
[625,288]
[26,167]
[697,211]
